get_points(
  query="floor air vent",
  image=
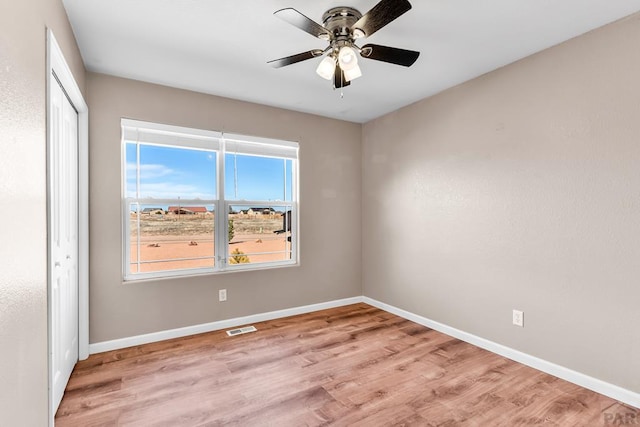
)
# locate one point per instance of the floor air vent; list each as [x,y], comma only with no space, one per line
[240,331]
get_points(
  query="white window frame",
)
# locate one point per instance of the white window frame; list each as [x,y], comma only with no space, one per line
[181,137]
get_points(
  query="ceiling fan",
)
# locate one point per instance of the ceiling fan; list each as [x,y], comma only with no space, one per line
[341,27]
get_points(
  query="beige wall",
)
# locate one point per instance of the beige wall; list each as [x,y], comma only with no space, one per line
[23,270]
[520,189]
[330,197]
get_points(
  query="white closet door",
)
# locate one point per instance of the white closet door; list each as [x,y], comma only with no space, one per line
[63,217]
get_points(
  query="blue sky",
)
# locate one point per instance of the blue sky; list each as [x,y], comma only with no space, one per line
[169,173]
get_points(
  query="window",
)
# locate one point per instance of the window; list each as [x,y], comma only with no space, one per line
[199,201]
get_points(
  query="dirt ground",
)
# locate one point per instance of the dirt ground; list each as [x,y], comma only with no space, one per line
[176,248]
[186,241]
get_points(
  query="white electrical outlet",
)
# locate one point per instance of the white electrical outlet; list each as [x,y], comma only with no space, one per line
[222,295]
[518,318]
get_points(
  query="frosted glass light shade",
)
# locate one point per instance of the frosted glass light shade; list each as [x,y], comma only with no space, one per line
[347,58]
[326,68]
[353,73]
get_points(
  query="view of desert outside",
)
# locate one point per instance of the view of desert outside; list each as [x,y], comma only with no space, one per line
[173,241]
[171,192]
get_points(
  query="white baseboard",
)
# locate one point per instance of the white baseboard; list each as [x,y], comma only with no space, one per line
[615,392]
[118,344]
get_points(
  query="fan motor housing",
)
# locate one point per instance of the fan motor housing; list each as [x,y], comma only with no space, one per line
[339,20]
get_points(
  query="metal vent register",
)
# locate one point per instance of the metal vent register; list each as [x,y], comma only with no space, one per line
[240,331]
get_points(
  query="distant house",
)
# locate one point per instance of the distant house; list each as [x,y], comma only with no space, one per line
[152,211]
[187,210]
[258,211]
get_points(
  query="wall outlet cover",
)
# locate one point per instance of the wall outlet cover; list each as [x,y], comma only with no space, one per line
[518,318]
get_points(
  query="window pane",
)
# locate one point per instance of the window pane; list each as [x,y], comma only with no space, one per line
[257,178]
[259,234]
[171,173]
[289,180]
[171,237]
[133,233]
[131,155]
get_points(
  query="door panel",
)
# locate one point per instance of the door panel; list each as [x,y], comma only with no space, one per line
[63,175]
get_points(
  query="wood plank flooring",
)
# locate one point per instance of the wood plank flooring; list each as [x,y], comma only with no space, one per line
[349,366]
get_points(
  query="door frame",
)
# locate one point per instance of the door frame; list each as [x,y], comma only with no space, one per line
[58,65]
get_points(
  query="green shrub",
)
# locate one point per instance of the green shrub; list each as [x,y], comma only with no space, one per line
[232,231]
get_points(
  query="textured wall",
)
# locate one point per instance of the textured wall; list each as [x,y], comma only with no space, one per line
[520,189]
[330,195]
[23,253]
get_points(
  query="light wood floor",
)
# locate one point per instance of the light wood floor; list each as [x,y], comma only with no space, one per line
[349,366]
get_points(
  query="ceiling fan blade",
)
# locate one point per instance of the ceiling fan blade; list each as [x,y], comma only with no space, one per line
[277,63]
[392,55]
[297,19]
[381,14]
[339,79]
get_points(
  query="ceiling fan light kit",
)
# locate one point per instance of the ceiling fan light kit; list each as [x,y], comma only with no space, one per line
[327,67]
[341,27]
[347,58]
[353,73]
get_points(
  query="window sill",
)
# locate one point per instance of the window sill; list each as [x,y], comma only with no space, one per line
[185,274]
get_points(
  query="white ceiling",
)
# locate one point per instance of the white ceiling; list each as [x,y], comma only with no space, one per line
[222,47]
